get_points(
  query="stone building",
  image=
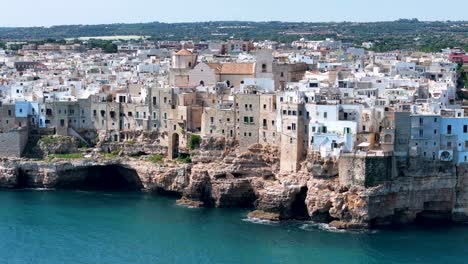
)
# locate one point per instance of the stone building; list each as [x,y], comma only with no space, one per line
[248,118]
[293,136]
[268,133]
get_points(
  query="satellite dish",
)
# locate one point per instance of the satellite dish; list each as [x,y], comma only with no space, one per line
[446,156]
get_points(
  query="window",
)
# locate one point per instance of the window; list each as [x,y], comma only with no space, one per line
[293,126]
[264,68]
[229,119]
[251,119]
[246,119]
[449,129]
[264,106]
[465,129]
[421,133]
[264,123]
[325,115]
[211,120]
[435,131]
[165,99]
[421,121]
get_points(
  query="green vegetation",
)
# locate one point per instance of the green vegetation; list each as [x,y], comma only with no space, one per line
[2,45]
[131,142]
[113,154]
[66,156]
[463,74]
[156,158]
[390,35]
[184,158]
[462,81]
[194,141]
[49,140]
[106,45]
[81,144]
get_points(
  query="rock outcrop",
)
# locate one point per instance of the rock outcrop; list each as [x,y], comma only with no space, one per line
[221,176]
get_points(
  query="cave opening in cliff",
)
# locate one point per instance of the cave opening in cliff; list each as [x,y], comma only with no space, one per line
[102,178]
[22,179]
[299,207]
[435,214]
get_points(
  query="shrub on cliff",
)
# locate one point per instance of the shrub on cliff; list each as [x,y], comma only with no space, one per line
[156,158]
[194,141]
[184,158]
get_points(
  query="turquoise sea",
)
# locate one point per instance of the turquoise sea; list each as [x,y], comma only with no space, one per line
[88,227]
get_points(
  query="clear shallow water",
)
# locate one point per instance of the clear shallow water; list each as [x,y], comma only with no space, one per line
[86,227]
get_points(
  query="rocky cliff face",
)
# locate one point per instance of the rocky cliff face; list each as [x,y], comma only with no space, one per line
[220,176]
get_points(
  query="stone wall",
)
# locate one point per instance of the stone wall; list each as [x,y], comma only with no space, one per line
[364,170]
[13,142]
[460,211]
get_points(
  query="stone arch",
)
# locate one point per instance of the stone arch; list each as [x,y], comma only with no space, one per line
[173,147]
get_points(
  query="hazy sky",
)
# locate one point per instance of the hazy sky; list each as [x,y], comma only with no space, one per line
[59,12]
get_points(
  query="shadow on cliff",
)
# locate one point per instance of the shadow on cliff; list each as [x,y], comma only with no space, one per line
[97,178]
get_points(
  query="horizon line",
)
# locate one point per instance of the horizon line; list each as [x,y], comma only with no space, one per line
[240,21]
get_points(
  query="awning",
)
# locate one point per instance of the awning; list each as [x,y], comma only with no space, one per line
[364,145]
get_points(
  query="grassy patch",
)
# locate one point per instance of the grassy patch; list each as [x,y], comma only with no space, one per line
[112,155]
[65,156]
[131,142]
[49,140]
[156,158]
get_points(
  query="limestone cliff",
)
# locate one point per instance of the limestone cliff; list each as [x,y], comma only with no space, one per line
[361,195]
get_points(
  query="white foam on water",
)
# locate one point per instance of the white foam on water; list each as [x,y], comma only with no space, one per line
[310,226]
[259,221]
[39,189]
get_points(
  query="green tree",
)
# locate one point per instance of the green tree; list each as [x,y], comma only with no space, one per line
[194,141]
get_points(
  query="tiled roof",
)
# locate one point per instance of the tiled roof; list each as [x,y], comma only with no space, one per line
[233,68]
[184,52]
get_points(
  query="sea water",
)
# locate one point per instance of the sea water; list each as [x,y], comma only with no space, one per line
[93,227]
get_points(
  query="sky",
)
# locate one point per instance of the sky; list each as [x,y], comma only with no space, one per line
[65,12]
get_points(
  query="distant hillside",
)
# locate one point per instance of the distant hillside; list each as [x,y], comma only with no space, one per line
[401,34]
